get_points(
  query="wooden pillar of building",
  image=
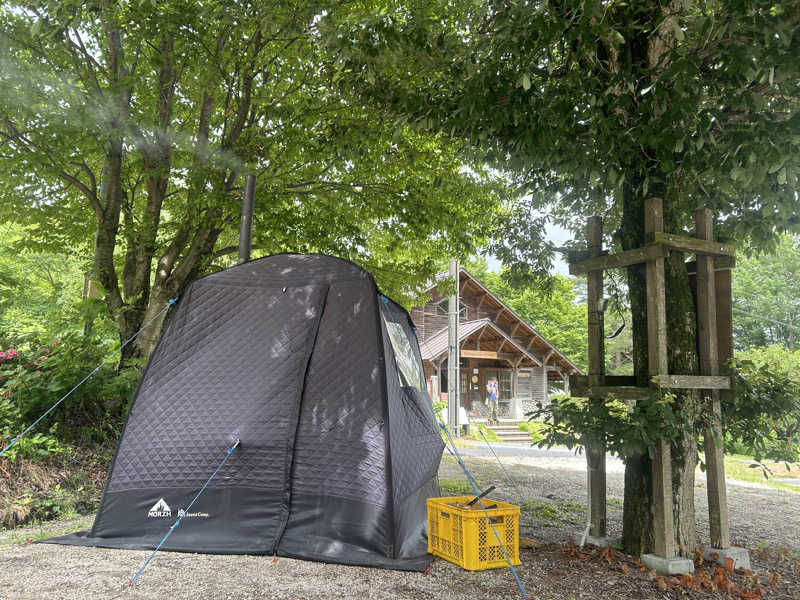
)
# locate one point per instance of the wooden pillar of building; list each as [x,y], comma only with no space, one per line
[663,524]
[595,450]
[709,365]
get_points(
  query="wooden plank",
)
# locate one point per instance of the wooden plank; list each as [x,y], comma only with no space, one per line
[663,524]
[665,544]
[721,263]
[576,256]
[618,260]
[620,392]
[656,298]
[595,450]
[722,284]
[479,354]
[693,245]
[713,438]
[693,382]
[582,381]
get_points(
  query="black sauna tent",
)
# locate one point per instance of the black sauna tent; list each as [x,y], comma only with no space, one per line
[320,376]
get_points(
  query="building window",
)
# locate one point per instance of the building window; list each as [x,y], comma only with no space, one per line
[505,385]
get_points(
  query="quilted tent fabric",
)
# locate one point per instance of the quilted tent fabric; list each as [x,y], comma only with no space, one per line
[290,354]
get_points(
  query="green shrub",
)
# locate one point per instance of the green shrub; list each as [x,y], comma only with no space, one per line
[576,422]
[490,434]
[34,377]
[535,429]
[764,421]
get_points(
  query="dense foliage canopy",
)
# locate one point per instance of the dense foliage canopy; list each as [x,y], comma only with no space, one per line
[135,123]
[598,106]
[766,296]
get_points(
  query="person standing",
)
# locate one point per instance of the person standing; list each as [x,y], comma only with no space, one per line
[491,400]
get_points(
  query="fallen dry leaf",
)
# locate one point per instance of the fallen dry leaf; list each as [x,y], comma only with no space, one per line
[729,564]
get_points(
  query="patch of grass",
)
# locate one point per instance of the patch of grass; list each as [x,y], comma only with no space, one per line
[455,487]
[58,487]
[741,471]
[554,513]
[614,503]
[25,536]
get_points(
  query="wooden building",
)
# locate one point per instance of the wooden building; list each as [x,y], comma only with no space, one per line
[494,341]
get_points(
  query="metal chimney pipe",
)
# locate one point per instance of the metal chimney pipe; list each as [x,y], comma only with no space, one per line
[246,228]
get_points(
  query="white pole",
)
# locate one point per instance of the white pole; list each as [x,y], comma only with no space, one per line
[453,358]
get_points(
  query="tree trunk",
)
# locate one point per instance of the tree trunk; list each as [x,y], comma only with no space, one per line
[682,352]
[683,360]
[637,517]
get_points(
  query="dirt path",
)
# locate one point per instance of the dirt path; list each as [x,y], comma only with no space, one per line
[554,490]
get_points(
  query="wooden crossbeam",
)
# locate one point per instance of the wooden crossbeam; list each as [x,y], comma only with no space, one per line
[721,263]
[479,354]
[618,260]
[582,381]
[620,392]
[693,382]
[693,245]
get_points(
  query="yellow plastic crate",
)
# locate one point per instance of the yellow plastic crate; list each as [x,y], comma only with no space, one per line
[465,537]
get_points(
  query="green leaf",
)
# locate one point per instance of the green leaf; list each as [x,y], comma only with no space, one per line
[526,82]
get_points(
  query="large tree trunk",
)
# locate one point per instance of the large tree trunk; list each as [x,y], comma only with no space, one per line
[637,517]
[682,353]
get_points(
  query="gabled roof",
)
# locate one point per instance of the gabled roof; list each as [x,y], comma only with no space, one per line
[436,346]
[523,331]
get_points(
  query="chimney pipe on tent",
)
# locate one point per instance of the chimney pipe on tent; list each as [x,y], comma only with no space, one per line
[453,354]
[246,228]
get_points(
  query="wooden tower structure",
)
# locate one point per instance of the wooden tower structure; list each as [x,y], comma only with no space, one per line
[712,272]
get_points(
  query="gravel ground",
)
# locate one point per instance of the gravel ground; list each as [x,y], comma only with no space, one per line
[764,519]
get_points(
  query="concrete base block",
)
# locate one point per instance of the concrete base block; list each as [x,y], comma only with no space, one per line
[668,566]
[740,556]
[601,542]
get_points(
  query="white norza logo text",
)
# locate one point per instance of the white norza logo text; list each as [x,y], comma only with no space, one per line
[160,509]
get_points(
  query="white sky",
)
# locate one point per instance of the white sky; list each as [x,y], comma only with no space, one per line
[555,234]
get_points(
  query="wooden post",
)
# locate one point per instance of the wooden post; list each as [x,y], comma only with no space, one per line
[709,365]
[722,287]
[663,524]
[595,451]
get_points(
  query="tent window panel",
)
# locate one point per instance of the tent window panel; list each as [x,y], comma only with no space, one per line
[407,365]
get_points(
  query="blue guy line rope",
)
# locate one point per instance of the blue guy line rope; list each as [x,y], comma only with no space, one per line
[499,462]
[471,481]
[228,453]
[14,440]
